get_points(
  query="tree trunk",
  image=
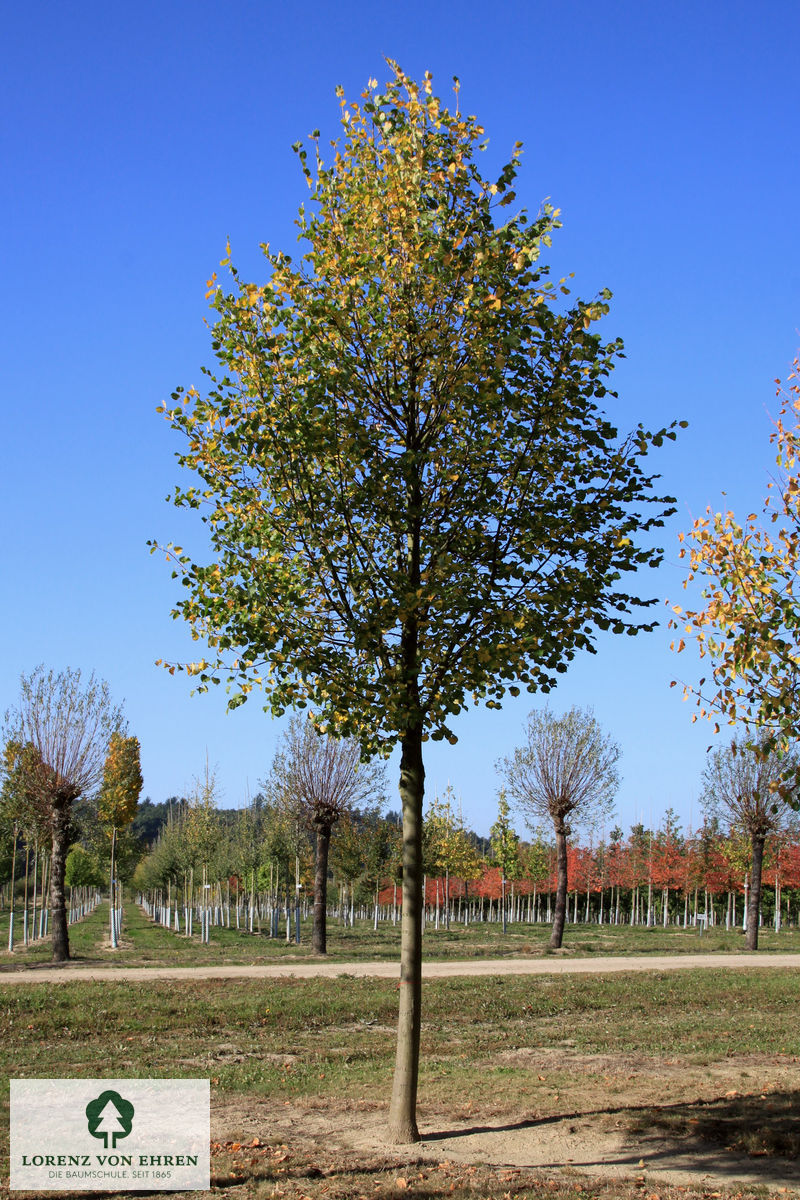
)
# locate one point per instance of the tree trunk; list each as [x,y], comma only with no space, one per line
[113,890]
[557,935]
[403,1109]
[13,884]
[61,809]
[754,904]
[319,932]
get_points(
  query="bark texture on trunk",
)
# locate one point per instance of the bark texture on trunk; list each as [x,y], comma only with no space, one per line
[61,812]
[319,936]
[559,917]
[113,888]
[403,1109]
[754,906]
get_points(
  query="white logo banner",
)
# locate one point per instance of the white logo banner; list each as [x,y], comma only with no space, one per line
[93,1135]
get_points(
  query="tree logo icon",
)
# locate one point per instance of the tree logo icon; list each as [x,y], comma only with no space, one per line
[109,1116]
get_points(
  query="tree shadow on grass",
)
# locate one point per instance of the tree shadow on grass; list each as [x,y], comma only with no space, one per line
[75,960]
[763,1125]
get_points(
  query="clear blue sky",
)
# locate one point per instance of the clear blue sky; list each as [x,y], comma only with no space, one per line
[137,138]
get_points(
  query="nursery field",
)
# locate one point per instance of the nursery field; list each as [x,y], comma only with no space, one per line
[651,1085]
[560,1086]
[145,943]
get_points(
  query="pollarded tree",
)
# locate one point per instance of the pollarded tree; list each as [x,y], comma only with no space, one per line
[320,779]
[564,774]
[739,785]
[68,724]
[413,498]
[749,630]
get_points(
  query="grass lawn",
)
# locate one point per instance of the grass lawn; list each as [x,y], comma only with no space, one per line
[703,1058]
[85,939]
[147,944]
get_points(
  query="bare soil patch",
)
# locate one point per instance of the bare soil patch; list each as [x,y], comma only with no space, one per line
[731,1125]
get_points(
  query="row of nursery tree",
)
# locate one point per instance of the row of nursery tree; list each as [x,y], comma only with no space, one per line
[257,861]
[319,821]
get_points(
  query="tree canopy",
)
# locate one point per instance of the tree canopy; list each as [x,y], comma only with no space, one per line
[504,840]
[749,629]
[405,432]
[122,782]
[22,801]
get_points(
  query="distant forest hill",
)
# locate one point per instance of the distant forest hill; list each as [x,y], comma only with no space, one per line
[151,818]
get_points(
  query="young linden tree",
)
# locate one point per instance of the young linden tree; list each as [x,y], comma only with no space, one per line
[749,628]
[413,499]
[117,803]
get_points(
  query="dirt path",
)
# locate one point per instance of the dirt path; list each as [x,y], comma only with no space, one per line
[550,965]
